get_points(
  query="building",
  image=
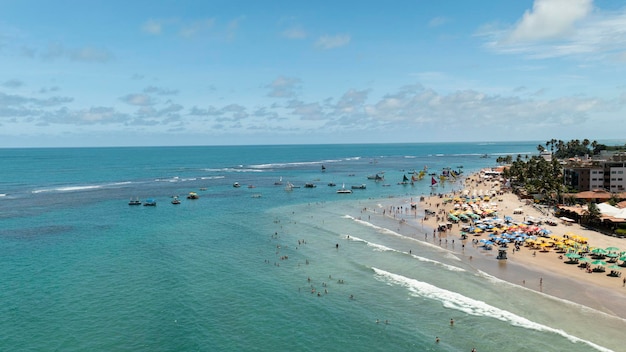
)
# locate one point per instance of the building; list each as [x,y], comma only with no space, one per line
[607,175]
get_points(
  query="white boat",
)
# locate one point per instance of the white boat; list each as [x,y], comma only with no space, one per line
[279,182]
[289,186]
[236,185]
[344,190]
[362,186]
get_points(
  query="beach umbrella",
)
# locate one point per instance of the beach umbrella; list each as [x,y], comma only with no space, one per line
[598,262]
[612,255]
[614,266]
[622,258]
[573,255]
[584,259]
[612,249]
[598,251]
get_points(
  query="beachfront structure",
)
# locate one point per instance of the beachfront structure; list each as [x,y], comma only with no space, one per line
[609,175]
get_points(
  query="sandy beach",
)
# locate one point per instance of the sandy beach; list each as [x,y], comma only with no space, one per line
[541,270]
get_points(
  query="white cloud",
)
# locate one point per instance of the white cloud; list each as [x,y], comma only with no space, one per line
[438,21]
[194,28]
[332,41]
[85,54]
[550,19]
[153,27]
[284,87]
[294,33]
[137,99]
[561,28]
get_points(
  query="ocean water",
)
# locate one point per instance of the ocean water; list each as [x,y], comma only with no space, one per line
[255,268]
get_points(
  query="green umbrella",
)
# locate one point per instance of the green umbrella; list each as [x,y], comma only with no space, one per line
[612,255]
[598,262]
[584,259]
[614,266]
[573,255]
[612,249]
[622,258]
[598,251]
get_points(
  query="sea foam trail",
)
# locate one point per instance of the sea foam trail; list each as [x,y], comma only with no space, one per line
[393,233]
[474,307]
[81,188]
[382,248]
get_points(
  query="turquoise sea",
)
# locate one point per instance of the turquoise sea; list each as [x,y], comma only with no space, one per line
[255,268]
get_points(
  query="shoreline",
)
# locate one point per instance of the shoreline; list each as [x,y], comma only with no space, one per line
[542,271]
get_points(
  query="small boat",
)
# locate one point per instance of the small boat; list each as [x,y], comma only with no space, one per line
[256,195]
[361,186]
[405,180]
[309,185]
[175,200]
[193,195]
[376,177]
[279,182]
[323,168]
[332,184]
[289,186]
[251,186]
[484,156]
[135,201]
[149,202]
[236,185]
[344,190]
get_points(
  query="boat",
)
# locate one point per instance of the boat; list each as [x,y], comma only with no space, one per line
[251,186]
[236,185]
[175,200]
[332,184]
[405,180]
[361,186]
[323,168]
[203,189]
[193,195]
[279,182]
[309,185]
[256,195]
[484,156]
[135,201]
[433,182]
[149,202]
[344,190]
[376,177]
[289,186]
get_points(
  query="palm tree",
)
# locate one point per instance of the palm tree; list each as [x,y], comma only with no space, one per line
[592,214]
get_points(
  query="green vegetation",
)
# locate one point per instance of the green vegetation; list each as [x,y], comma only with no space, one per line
[536,175]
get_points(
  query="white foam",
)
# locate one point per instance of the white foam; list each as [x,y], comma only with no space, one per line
[383,248]
[454,300]
[67,189]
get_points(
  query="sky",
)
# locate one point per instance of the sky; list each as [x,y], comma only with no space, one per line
[77,73]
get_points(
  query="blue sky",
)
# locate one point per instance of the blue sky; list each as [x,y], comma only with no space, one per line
[125,73]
